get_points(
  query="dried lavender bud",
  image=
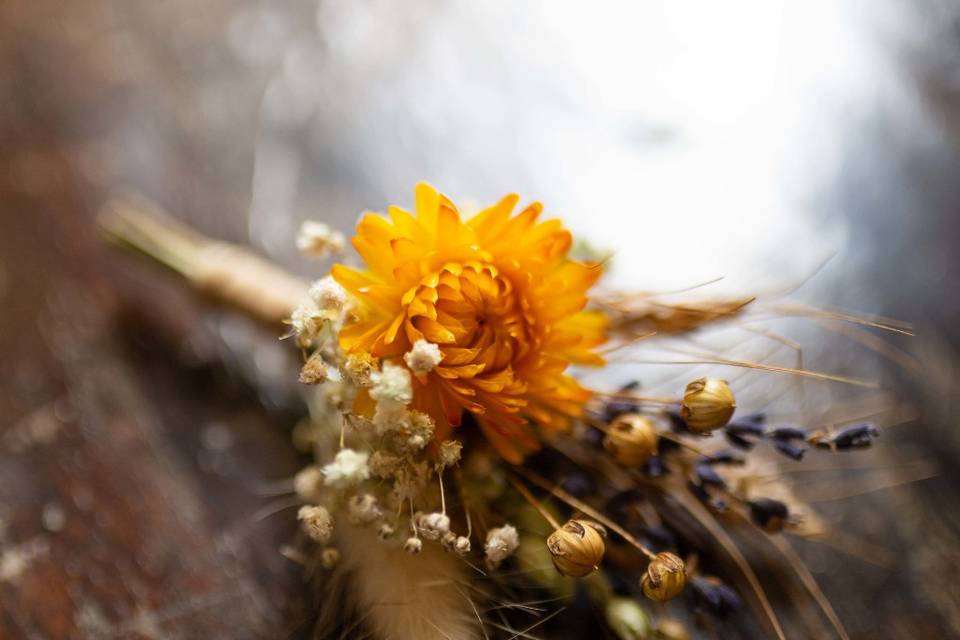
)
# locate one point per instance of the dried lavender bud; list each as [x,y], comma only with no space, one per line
[617,407]
[770,515]
[708,474]
[858,436]
[655,467]
[710,593]
[739,441]
[726,456]
[787,433]
[792,451]
[745,426]
[738,430]
[579,484]
[659,536]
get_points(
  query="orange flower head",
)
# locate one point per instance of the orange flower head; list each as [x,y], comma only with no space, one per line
[498,296]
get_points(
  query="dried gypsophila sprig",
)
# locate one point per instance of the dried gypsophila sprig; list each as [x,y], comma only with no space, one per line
[683,465]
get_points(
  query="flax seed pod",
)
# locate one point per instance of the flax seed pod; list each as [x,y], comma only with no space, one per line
[577,547]
[708,404]
[631,439]
[665,577]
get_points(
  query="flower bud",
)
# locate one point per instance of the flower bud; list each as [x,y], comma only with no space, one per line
[577,547]
[413,546]
[631,439]
[329,558]
[316,523]
[708,404]
[664,578]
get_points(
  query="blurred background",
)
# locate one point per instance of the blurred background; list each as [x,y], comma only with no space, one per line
[143,431]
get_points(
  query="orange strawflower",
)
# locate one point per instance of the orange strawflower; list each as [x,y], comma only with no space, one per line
[500,298]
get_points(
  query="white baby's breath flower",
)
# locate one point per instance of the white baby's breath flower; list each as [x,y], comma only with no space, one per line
[359,366]
[501,543]
[413,546]
[316,522]
[318,240]
[362,509]
[433,526]
[327,294]
[307,483]
[449,453]
[423,357]
[348,468]
[391,386]
[307,321]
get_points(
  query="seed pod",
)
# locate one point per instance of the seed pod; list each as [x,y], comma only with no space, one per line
[631,440]
[664,578]
[577,547]
[708,404]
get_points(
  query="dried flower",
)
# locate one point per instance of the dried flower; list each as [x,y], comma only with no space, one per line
[314,370]
[307,322]
[348,468]
[664,578]
[500,545]
[577,547]
[318,240]
[433,525]
[329,558]
[461,545]
[708,404]
[359,367]
[627,619]
[362,510]
[317,523]
[423,357]
[307,483]
[327,294]
[391,386]
[448,454]
[385,531]
[413,546]
[491,285]
[631,439]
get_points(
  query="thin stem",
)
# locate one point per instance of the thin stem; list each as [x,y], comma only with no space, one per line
[522,490]
[443,498]
[584,507]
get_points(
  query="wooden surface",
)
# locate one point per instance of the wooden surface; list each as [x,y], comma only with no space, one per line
[139,434]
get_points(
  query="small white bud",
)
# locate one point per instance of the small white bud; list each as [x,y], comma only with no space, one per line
[423,357]
[318,240]
[348,468]
[363,510]
[317,523]
[500,545]
[433,525]
[327,294]
[307,483]
[413,546]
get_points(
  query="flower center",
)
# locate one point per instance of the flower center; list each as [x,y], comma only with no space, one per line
[473,307]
